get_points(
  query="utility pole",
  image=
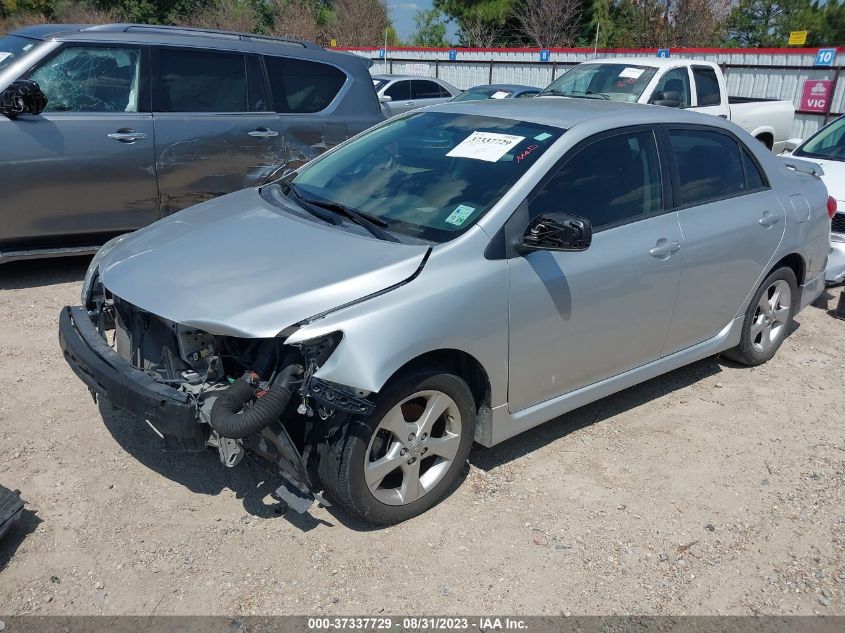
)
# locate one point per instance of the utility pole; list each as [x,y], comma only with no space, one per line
[596,45]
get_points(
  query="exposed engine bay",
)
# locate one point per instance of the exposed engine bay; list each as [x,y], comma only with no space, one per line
[252,397]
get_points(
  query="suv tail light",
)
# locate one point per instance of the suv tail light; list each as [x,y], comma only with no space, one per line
[831,206]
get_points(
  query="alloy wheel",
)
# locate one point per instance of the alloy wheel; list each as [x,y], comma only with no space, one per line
[413,447]
[771,316]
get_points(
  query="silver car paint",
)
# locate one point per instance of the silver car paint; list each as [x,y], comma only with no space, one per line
[462,301]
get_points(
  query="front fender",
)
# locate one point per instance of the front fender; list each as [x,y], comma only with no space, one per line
[459,302]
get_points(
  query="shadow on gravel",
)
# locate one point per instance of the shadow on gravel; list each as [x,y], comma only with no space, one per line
[42,272]
[16,535]
[598,411]
[202,473]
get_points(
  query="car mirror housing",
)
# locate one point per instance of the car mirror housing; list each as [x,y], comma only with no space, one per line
[666,99]
[22,97]
[557,232]
[385,99]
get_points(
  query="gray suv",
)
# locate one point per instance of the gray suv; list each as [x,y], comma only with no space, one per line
[142,121]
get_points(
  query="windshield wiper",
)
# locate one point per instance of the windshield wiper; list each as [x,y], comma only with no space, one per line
[310,208]
[372,223]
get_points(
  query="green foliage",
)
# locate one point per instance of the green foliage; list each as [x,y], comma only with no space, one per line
[431,29]
[759,23]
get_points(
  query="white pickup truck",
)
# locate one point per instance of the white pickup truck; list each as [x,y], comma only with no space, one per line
[677,83]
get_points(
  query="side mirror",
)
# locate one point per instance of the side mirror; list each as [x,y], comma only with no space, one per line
[385,99]
[557,232]
[666,99]
[22,97]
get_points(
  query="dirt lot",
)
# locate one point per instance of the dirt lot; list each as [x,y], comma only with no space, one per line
[715,489]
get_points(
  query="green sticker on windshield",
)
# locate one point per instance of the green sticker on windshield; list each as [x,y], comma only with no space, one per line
[542,136]
[460,214]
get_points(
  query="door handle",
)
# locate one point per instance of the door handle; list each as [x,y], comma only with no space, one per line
[125,135]
[768,219]
[263,132]
[664,248]
[409,103]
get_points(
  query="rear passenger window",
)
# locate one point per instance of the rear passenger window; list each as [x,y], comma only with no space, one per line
[706,86]
[400,91]
[201,81]
[709,165]
[754,178]
[611,181]
[302,86]
[429,90]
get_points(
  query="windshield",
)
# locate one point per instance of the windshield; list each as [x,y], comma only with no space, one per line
[378,84]
[614,82]
[476,94]
[12,47]
[429,175]
[828,143]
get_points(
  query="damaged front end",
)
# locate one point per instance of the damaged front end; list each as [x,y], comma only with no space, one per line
[241,396]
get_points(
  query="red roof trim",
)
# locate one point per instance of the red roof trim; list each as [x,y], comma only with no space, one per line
[649,51]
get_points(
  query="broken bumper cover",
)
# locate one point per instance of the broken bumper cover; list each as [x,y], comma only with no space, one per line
[168,411]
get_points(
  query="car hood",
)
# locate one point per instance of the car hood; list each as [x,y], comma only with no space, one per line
[239,266]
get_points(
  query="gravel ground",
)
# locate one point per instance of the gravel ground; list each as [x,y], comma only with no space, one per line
[715,489]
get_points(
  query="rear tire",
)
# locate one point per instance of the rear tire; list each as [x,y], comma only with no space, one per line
[767,319]
[404,458]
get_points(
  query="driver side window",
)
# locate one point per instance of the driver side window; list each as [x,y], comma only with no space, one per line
[80,79]
[674,86]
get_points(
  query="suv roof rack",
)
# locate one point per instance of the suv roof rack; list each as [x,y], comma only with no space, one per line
[197,32]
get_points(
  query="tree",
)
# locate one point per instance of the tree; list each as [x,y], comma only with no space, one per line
[430,29]
[478,33]
[756,23]
[549,23]
[227,15]
[484,17]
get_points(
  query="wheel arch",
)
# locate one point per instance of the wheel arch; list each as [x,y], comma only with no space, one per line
[765,136]
[462,364]
[794,261]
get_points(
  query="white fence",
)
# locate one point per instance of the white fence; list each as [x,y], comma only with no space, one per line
[765,73]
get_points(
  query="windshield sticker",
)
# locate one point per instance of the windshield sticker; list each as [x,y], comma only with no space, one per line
[525,153]
[631,73]
[487,146]
[499,94]
[542,136]
[460,214]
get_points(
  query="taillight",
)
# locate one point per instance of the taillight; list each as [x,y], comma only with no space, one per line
[831,206]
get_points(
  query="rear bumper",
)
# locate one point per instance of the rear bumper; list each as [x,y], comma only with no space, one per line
[835,271]
[168,411]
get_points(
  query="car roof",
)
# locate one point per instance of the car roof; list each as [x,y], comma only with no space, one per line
[395,77]
[566,112]
[511,87]
[656,62]
[189,37]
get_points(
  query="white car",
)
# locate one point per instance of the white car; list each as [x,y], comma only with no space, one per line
[677,83]
[827,148]
[401,93]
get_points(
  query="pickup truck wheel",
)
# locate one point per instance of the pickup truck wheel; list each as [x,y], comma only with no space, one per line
[768,319]
[405,457]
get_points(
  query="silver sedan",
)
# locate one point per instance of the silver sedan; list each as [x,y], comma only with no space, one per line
[457,274]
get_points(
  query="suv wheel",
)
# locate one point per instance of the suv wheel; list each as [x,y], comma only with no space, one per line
[405,457]
[768,319]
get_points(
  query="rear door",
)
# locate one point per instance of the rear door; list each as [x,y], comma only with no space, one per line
[215,131]
[426,93]
[83,170]
[732,224]
[710,97]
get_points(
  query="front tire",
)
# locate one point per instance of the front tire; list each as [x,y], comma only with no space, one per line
[767,319]
[405,457]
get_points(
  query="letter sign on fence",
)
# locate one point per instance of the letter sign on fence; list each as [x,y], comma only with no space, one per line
[825,57]
[544,55]
[816,96]
[663,52]
[453,55]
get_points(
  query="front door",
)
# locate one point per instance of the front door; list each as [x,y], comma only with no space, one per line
[580,317]
[83,170]
[732,224]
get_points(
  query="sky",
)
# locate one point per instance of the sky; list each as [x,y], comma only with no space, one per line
[402,14]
